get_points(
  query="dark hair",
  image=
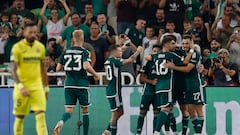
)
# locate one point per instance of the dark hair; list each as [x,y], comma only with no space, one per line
[157,46]
[75,13]
[170,21]
[87,3]
[51,39]
[4,14]
[167,39]
[29,24]
[113,47]
[187,36]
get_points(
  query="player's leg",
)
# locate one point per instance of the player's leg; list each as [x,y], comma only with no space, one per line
[18,125]
[70,102]
[193,116]
[199,110]
[20,109]
[172,120]
[185,118]
[144,107]
[166,107]
[38,105]
[83,98]
[85,115]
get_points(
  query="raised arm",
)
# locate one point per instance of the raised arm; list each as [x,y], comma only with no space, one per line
[68,11]
[134,56]
[44,18]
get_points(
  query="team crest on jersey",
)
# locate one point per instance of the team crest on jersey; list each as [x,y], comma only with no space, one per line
[37,50]
[161,55]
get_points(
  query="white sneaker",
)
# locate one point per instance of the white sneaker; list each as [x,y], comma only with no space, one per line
[156,133]
[58,128]
[167,133]
[106,132]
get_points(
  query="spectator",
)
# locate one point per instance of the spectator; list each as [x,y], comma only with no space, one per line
[19,8]
[148,41]
[187,27]
[202,32]
[215,47]
[52,4]
[225,72]
[67,33]
[88,18]
[126,14]
[158,21]
[99,7]
[148,8]
[106,31]
[100,46]
[234,46]
[174,11]
[13,37]
[53,50]
[51,65]
[170,28]
[55,26]
[4,37]
[112,14]
[136,34]
[223,33]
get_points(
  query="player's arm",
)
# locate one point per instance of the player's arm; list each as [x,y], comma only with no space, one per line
[44,79]
[14,66]
[20,86]
[87,66]
[133,57]
[59,67]
[189,54]
[144,78]
[185,69]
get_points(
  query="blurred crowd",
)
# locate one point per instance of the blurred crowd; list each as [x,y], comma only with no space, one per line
[213,24]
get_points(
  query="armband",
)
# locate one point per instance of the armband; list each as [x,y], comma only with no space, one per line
[191,50]
[20,86]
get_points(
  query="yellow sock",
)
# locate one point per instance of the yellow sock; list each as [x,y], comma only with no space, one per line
[18,126]
[41,124]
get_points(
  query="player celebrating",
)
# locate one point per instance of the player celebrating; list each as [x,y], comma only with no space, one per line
[30,80]
[76,63]
[148,97]
[194,86]
[113,91]
[165,78]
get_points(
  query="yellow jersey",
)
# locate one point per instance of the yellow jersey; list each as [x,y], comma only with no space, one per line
[29,58]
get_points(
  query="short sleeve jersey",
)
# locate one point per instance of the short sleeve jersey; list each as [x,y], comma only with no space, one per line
[193,78]
[73,59]
[29,58]
[112,68]
[150,72]
[165,76]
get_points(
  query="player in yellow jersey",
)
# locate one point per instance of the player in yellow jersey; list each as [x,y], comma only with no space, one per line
[30,80]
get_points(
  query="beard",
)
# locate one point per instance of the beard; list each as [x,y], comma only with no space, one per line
[30,39]
[215,49]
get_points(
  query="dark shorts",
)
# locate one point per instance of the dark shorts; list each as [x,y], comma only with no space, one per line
[115,102]
[196,96]
[165,99]
[147,100]
[179,95]
[72,95]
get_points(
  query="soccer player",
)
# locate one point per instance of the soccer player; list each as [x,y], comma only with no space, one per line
[195,93]
[148,76]
[76,63]
[164,85]
[30,80]
[113,91]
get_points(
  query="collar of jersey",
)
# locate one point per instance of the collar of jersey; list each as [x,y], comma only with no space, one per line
[26,42]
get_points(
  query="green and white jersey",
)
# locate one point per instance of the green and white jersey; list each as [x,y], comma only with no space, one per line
[194,79]
[164,75]
[73,59]
[112,68]
[150,72]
